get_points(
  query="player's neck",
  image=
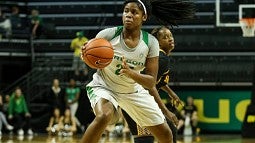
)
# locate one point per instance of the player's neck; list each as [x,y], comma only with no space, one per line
[131,33]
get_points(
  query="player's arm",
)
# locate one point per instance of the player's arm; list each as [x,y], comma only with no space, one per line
[153,91]
[147,80]
[172,95]
[163,84]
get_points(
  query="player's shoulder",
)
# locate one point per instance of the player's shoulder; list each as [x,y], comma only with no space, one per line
[163,58]
[110,29]
[151,36]
[107,33]
[162,54]
[152,39]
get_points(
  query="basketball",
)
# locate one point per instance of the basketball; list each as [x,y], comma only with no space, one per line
[97,53]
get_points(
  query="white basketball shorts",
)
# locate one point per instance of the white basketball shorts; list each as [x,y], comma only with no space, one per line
[140,106]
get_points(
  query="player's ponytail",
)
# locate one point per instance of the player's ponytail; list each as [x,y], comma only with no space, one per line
[167,12]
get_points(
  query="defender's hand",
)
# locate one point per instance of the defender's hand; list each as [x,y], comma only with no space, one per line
[171,116]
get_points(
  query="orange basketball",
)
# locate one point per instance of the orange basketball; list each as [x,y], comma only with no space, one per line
[97,53]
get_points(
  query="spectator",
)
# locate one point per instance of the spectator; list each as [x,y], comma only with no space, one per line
[6,104]
[15,18]
[18,112]
[5,25]
[72,97]
[3,118]
[189,114]
[56,98]
[54,127]
[67,124]
[36,24]
[118,129]
[76,45]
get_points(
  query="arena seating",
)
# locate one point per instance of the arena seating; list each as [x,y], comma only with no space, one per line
[197,35]
[92,16]
[217,69]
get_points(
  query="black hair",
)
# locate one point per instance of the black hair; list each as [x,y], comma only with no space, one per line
[146,3]
[168,12]
[155,31]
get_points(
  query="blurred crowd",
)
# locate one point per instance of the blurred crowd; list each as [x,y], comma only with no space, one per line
[15,116]
[11,22]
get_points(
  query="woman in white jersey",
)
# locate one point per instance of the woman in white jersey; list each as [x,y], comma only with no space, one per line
[121,83]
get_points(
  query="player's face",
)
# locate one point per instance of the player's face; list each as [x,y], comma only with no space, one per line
[166,40]
[133,16]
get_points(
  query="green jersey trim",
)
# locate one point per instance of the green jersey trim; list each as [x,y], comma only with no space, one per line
[145,35]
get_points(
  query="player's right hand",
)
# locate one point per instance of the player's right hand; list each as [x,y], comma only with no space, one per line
[177,101]
[83,48]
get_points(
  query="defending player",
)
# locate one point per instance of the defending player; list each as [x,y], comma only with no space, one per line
[166,43]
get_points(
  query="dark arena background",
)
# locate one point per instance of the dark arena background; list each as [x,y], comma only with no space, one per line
[212,61]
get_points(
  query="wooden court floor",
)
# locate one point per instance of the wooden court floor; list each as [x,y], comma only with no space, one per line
[43,138]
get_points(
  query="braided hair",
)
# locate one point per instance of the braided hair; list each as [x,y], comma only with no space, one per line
[167,12]
[156,30]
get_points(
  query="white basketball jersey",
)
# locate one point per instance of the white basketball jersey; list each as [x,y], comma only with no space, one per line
[135,57]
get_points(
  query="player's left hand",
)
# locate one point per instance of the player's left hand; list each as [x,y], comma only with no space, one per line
[125,69]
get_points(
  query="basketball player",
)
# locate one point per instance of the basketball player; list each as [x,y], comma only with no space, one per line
[121,84]
[166,43]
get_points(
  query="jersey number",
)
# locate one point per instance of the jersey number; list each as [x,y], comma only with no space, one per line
[119,67]
[166,80]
